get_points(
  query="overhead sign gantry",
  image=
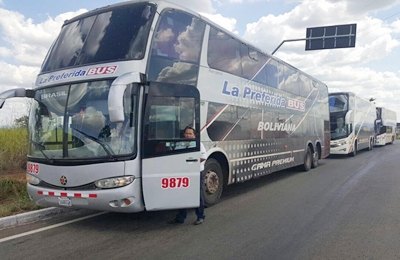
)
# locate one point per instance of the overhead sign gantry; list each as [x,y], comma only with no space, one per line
[327,37]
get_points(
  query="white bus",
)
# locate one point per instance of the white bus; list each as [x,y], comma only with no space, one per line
[385,127]
[352,123]
[121,83]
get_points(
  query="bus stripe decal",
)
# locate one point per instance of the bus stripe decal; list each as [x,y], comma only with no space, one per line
[266,155]
[213,118]
[66,194]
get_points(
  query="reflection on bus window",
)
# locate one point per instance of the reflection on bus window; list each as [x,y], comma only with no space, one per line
[120,34]
[224,52]
[338,103]
[176,48]
[72,122]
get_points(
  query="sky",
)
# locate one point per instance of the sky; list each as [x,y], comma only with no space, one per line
[370,70]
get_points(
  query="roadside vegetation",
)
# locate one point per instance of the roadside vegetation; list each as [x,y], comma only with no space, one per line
[13,149]
[13,196]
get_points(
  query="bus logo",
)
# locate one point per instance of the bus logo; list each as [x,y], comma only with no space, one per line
[63,180]
[101,70]
[295,104]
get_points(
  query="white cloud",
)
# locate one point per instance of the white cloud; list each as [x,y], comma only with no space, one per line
[20,76]
[364,6]
[206,9]
[222,2]
[13,109]
[28,42]
[225,22]
[26,45]
[198,6]
[340,69]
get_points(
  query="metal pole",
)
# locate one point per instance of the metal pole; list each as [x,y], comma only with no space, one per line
[311,38]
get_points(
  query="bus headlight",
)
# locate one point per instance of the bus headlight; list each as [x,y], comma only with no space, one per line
[32,179]
[114,182]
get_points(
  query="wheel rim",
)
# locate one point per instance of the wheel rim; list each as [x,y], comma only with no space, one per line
[211,181]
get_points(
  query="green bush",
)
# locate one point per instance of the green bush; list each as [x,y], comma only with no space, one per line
[14,198]
[13,148]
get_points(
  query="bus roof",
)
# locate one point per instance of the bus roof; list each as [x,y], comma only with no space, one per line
[162,4]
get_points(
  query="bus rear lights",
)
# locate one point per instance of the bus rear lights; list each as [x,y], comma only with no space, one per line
[114,182]
[122,203]
[32,179]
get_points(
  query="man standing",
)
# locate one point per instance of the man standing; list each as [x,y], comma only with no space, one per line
[190,133]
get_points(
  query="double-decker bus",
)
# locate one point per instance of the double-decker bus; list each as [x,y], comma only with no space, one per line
[385,127]
[119,85]
[352,122]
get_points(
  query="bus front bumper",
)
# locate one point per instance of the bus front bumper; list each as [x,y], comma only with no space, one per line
[339,147]
[124,199]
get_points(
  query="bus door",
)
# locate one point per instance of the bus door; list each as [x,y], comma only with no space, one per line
[170,163]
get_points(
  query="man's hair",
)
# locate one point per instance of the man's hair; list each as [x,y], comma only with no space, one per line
[189,127]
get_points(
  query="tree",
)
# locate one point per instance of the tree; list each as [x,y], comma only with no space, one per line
[22,122]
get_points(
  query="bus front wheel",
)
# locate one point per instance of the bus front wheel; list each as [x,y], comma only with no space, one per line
[354,152]
[213,182]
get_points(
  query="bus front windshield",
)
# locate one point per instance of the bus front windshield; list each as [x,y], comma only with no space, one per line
[338,107]
[71,122]
[115,34]
[338,103]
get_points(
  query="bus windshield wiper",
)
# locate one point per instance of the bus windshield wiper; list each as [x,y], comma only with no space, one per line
[41,148]
[105,147]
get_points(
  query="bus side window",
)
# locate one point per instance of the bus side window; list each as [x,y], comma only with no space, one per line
[176,48]
[165,120]
[224,52]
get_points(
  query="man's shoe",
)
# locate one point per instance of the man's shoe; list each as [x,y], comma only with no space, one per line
[199,221]
[175,221]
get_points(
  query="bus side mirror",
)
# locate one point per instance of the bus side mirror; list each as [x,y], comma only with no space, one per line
[116,95]
[348,117]
[16,92]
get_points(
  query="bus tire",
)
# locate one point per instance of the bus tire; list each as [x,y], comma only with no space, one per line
[371,145]
[213,182]
[308,158]
[315,158]
[354,152]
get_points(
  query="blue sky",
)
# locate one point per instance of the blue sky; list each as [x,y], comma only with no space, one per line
[371,69]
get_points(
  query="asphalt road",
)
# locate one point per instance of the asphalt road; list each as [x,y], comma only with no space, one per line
[347,208]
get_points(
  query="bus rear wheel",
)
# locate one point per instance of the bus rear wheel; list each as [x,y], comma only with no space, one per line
[315,158]
[213,182]
[308,158]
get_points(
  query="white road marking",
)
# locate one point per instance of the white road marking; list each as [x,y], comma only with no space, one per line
[49,227]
